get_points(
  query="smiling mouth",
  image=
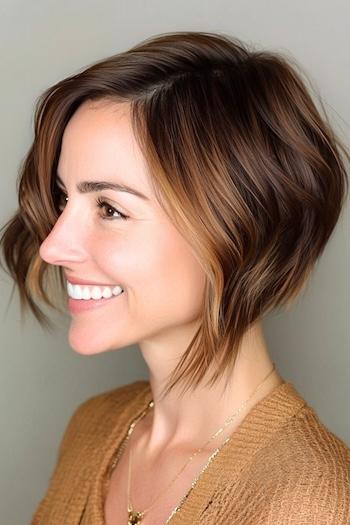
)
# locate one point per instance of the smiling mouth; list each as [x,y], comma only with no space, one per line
[92,292]
[77,306]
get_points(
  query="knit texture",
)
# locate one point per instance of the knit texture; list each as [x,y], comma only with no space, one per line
[281,466]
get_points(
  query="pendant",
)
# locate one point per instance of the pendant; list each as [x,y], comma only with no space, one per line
[134,517]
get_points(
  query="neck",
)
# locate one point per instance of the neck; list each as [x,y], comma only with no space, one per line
[186,421]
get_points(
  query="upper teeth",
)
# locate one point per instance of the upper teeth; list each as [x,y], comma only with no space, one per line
[77,291]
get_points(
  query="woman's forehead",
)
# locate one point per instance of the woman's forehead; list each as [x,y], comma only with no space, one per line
[99,144]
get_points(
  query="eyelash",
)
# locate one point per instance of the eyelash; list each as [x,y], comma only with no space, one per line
[103,204]
[100,203]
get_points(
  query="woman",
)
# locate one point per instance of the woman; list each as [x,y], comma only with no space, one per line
[181,190]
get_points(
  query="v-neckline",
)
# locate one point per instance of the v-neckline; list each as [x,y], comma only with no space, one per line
[260,423]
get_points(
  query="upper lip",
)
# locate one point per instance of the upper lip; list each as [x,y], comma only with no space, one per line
[75,280]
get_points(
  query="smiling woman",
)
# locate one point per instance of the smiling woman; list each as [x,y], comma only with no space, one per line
[179,191]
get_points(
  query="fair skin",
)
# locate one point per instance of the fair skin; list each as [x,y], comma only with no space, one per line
[163,286]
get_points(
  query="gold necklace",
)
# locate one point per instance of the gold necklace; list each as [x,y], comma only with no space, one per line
[135,517]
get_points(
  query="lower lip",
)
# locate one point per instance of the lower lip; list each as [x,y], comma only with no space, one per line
[76,306]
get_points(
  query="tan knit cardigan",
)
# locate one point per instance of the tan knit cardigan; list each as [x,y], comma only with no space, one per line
[281,466]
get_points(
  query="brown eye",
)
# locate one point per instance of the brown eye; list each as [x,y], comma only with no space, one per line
[110,210]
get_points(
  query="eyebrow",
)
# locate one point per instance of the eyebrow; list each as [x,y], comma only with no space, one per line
[93,186]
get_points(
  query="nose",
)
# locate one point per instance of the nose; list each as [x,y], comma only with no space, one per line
[65,242]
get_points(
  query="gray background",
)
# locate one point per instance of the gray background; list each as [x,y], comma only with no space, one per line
[42,379]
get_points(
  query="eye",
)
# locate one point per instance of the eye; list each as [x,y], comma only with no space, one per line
[61,198]
[107,207]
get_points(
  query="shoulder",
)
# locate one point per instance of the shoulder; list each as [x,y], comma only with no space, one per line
[98,413]
[306,471]
[113,398]
[83,445]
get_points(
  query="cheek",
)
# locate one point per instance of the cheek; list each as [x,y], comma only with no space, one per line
[166,277]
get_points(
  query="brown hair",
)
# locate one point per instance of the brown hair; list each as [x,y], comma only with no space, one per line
[241,160]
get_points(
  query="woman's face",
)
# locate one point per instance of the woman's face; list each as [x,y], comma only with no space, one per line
[162,279]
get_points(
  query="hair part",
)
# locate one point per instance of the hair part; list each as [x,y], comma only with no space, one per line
[240,158]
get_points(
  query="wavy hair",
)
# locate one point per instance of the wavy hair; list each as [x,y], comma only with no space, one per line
[241,159]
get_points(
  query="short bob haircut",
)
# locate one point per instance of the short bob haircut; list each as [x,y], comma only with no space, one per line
[239,157]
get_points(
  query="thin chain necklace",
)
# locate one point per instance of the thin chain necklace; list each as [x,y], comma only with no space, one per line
[135,517]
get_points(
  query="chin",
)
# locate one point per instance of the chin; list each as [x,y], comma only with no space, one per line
[87,344]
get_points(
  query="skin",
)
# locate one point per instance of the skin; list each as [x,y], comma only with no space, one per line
[162,279]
